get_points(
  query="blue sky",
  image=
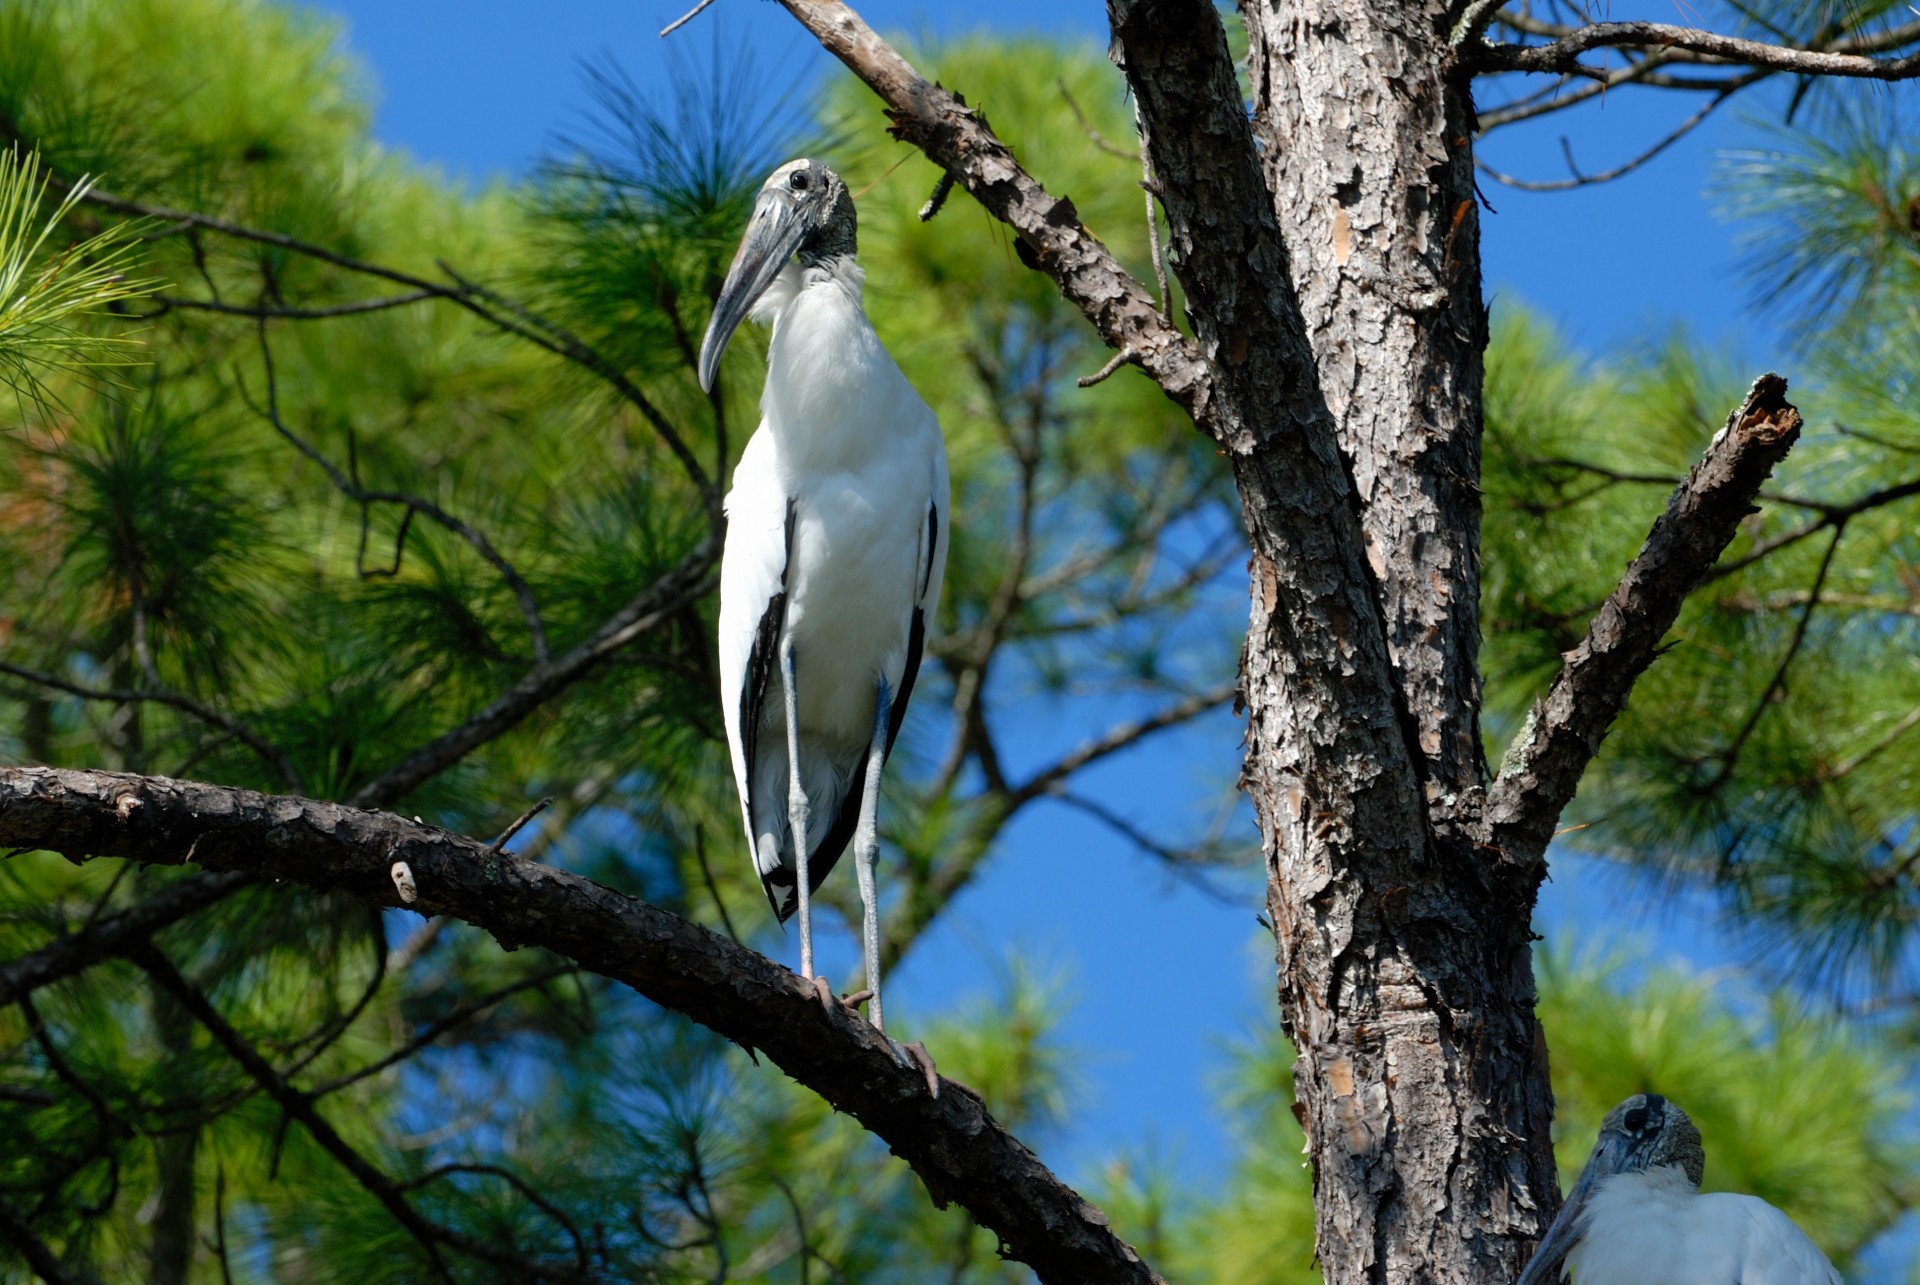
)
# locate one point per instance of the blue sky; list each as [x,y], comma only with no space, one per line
[1162,976]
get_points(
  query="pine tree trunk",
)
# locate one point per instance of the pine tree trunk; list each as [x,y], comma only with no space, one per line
[1405,973]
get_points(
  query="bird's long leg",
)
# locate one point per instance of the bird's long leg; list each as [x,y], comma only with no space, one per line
[797,808]
[866,845]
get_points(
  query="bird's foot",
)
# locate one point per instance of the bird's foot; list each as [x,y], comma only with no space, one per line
[824,989]
[910,1056]
[857,998]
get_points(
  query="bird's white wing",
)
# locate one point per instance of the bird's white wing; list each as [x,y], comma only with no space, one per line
[1772,1250]
[753,568]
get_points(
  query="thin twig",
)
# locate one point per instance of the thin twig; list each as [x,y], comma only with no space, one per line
[1731,756]
[713,887]
[684,19]
[1086,126]
[1685,127]
[349,487]
[520,1185]
[440,1026]
[1690,43]
[186,704]
[1149,187]
[357,308]
[512,318]
[519,823]
[1182,864]
[1114,363]
[1123,737]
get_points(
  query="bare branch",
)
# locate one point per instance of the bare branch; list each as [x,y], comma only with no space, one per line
[1120,738]
[1730,757]
[1563,54]
[684,19]
[1831,516]
[1187,864]
[440,1026]
[1562,734]
[1685,127]
[356,308]
[958,1150]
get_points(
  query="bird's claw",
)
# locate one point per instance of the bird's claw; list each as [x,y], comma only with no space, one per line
[910,1056]
[824,990]
[857,998]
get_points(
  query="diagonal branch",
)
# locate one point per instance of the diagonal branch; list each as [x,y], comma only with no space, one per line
[1118,738]
[1051,237]
[113,935]
[687,582]
[300,1106]
[1565,728]
[958,1150]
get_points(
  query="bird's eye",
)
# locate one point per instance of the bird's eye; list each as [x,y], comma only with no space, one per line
[798,180]
[1636,1120]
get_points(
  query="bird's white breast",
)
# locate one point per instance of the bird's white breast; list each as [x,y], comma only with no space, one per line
[860,454]
[1653,1228]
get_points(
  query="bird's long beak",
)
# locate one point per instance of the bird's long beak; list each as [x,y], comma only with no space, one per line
[1564,1234]
[773,234]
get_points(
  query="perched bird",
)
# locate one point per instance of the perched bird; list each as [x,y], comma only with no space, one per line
[1637,1217]
[836,545]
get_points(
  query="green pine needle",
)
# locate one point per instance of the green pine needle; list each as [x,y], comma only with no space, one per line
[46,301]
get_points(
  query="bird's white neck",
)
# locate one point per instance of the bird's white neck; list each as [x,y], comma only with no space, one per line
[842,271]
[833,394]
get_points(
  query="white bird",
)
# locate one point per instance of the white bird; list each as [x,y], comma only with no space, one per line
[836,546]
[1637,1216]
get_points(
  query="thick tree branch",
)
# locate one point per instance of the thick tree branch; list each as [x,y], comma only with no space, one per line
[1563,55]
[958,1150]
[1565,729]
[1051,237]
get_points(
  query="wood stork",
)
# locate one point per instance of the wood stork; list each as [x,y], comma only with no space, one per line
[1637,1216]
[836,545]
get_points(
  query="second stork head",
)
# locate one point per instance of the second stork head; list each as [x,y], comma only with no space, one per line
[1645,1132]
[802,209]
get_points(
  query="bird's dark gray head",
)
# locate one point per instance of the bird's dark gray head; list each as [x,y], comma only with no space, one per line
[802,209]
[1644,1132]
[1647,1132]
